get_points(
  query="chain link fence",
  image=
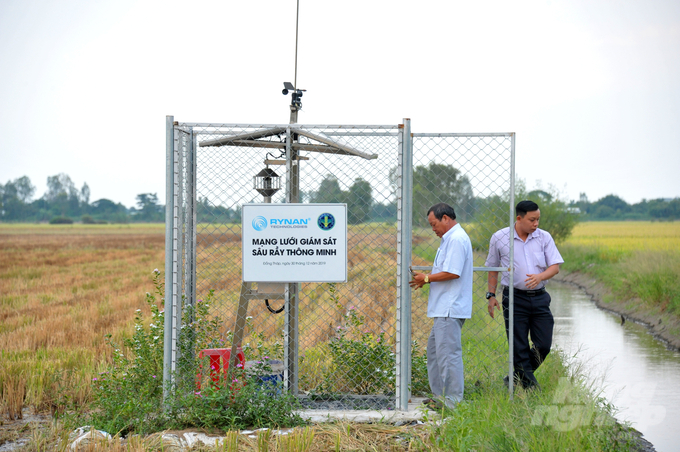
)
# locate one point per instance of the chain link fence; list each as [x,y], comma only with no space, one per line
[349,345]
[474,174]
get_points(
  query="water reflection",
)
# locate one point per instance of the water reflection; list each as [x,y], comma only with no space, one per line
[640,376]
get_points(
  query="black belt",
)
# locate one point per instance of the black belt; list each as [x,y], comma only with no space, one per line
[528,293]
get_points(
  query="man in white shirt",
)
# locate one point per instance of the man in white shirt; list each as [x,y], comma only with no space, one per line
[449,304]
[536,260]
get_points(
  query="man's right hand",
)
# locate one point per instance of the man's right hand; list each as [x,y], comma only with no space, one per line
[418,281]
[493,303]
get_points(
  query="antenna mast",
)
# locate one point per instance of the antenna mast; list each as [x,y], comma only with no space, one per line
[295,103]
[297,21]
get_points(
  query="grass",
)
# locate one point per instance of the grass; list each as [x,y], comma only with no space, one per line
[64,287]
[633,259]
[567,414]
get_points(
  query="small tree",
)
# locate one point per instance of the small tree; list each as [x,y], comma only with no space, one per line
[436,183]
[62,195]
[556,218]
[359,202]
[440,183]
[149,210]
[15,198]
[493,214]
[359,198]
[329,191]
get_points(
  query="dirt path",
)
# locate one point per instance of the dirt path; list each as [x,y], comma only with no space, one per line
[663,326]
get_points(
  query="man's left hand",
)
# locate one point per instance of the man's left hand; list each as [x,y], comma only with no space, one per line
[533,281]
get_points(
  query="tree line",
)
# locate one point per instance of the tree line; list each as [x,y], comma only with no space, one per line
[63,202]
[613,208]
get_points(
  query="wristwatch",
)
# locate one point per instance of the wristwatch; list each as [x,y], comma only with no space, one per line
[490,295]
[427,279]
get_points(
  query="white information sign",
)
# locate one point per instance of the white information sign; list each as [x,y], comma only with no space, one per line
[294,242]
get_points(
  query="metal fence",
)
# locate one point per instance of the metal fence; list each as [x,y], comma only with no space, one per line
[357,344]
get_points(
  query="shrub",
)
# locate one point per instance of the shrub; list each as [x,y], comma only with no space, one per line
[128,397]
[61,220]
[238,399]
[365,361]
[493,214]
[358,361]
[420,384]
[131,390]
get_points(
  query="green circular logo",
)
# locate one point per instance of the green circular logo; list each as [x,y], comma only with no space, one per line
[326,221]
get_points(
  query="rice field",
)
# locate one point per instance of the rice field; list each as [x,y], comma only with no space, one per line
[64,287]
[627,236]
[633,259]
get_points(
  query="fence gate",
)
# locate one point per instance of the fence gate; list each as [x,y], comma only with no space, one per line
[352,345]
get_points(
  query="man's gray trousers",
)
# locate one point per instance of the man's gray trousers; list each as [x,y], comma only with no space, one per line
[445,360]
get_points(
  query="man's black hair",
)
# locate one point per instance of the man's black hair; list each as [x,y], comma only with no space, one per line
[525,206]
[441,209]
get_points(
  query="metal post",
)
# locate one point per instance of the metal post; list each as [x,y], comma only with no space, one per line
[169,195]
[511,292]
[176,257]
[241,314]
[292,290]
[404,238]
[180,237]
[192,197]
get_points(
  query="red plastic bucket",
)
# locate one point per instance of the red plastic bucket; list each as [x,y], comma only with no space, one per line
[219,359]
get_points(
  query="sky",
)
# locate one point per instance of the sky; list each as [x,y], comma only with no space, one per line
[590,87]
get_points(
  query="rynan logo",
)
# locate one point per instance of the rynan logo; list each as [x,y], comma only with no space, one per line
[259,223]
[288,222]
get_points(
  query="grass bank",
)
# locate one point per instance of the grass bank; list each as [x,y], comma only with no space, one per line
[630,267]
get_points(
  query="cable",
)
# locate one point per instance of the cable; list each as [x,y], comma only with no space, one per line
[272,310]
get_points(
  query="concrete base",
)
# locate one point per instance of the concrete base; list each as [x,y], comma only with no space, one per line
[416,412]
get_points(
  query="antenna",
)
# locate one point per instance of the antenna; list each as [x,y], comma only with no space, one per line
[295,102]
[297,22]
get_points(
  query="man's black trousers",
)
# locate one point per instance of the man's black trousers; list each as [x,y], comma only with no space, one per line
[532,316]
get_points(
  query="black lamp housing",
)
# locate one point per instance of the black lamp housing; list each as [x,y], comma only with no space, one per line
[267,182]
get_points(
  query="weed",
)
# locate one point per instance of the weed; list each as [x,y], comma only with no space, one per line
[14,391]
[419,381]
[365,360]
[128,396]
[297,441]
[263,440]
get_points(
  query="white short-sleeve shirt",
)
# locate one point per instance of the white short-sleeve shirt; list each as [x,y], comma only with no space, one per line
[452,298]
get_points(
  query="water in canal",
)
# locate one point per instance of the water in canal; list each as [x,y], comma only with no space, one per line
[638,374]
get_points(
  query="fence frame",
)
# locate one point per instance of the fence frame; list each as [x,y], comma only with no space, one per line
[181,236]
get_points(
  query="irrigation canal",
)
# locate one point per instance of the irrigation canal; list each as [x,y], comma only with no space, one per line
[636,373]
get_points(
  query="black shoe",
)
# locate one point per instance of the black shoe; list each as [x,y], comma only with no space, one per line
[529,386]
[433,404]
[532,387]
